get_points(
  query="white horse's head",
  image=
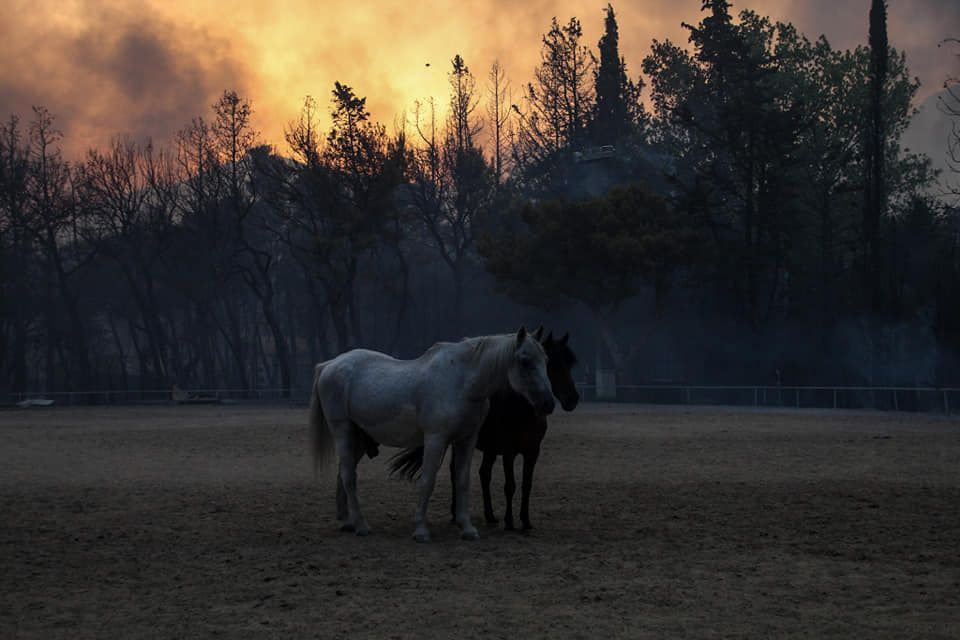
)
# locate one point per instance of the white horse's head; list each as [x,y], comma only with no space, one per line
[528,373]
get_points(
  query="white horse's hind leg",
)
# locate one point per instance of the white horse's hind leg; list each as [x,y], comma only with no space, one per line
[342,513]
[346,452]
[462,455]
[359,450]
[432,455]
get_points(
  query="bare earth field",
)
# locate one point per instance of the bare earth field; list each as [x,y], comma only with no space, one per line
[171,522]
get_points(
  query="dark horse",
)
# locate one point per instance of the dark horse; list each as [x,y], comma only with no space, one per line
[512,427]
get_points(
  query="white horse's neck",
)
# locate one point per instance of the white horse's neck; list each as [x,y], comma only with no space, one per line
[491,357]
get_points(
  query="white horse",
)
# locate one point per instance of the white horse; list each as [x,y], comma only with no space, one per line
[439,399]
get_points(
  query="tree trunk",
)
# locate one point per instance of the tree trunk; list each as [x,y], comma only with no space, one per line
[235,341]
[19,352]
[291,334]
[279,344]
[121,354]
[607,341]
[52,338]
[356,325]
[402,308]
[458,298]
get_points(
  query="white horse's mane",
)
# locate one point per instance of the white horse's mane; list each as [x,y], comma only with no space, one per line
[489,355]
[495,354]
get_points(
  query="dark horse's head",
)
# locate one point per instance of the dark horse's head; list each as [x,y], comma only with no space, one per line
[560,362]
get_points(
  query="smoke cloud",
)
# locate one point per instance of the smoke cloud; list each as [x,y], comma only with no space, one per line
[145,69]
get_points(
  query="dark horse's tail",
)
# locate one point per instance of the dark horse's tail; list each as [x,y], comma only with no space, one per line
[407,462]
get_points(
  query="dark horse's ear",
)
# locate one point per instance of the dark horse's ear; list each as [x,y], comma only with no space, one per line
[564,339]
[521,335]
[538,333]
[549,338]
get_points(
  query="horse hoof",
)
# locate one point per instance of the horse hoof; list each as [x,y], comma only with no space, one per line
[527,526]
[470,534]
[363,531]
[348,528]
[421,537]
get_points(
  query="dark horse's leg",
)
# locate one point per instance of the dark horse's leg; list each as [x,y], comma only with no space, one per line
[509,487]
[529,462]
[368,445]
[486,468]
[453,488]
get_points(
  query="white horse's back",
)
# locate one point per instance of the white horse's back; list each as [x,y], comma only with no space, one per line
[376,392]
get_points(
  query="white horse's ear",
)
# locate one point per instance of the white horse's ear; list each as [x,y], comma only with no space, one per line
[538,333]
[521,335]
[564,339]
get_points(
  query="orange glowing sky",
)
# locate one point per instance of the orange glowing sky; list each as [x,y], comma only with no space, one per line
[145,68]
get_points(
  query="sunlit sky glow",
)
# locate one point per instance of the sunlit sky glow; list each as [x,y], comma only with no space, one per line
[146,68]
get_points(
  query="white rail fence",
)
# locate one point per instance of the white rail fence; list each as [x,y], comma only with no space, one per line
[156,396]
[926,399]
[918,399]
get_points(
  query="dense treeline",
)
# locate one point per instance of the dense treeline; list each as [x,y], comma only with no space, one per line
[757,221]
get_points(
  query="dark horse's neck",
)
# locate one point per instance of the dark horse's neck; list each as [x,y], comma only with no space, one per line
[507,404]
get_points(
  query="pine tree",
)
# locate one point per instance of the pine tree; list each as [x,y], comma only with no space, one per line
[463,103]
[732,122]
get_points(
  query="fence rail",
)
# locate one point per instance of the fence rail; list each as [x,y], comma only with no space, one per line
[924,399]
[157,396]
[919,399]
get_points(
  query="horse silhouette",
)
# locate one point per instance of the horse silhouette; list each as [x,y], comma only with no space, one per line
[512,427]
[437,400]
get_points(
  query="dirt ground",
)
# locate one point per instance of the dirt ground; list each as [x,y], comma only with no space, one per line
[172,522]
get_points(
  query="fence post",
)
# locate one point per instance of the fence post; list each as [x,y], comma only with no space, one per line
[896,404]
[756,397]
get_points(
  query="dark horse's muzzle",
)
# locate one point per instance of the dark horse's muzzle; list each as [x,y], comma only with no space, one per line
[570,401]
[547,406]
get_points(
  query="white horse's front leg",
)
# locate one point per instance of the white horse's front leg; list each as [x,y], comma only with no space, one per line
[462,456]
[433,448]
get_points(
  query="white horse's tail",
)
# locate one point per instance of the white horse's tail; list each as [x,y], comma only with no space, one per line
[320,436]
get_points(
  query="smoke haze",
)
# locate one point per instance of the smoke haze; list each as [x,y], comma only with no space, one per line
[145,69]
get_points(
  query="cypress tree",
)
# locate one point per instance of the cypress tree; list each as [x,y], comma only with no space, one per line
[617,109]
[874,200]
[875,143]
[610,118]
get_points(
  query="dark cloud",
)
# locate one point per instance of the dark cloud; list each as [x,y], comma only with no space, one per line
[112,71]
